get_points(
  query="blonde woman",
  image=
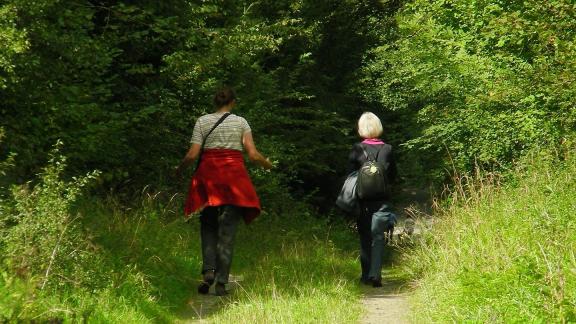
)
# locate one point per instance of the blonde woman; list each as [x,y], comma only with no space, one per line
[374,218]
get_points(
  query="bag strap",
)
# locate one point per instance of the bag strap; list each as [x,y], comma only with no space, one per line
[375,159]
[367,156]
[220,121]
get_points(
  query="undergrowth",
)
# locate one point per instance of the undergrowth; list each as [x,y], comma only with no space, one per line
[74,258]
[502,252]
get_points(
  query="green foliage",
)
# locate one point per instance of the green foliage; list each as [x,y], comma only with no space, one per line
[90,78]
[5,165]
[12,42]
[463,84]
[9,162]
[502,254]
[122,83]
[482,81]
[41,237]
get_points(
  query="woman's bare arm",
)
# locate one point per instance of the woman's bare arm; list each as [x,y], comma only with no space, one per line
[190,157]
[253,154]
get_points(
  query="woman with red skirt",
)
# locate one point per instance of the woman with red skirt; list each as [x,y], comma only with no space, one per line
[221,187]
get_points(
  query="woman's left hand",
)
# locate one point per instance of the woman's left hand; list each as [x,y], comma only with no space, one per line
[177,173]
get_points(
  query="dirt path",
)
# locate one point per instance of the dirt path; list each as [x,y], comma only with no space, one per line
[385,305]
[200,307]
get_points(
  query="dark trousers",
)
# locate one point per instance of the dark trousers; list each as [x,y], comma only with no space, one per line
[218,226]
[372,230]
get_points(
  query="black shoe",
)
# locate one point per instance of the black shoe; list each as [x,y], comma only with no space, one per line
[376,283]
[365,281]
[221,290]
[204,287]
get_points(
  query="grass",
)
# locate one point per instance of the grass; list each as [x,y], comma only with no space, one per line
[145,268]
[302,273]
[502,253]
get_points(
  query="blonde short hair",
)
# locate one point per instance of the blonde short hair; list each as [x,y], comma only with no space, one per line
[369,126]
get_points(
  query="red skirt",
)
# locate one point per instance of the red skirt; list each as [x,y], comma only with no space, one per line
[222,179]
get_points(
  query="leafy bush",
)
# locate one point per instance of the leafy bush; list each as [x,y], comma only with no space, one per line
[12,42]
[481,82]
[42,241]
[9,162]
[122,83]
[4,166]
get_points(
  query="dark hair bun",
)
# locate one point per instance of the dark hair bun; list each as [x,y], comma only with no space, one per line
[224,97]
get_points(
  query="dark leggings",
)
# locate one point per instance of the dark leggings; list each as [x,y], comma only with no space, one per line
[218,227]
[372,240]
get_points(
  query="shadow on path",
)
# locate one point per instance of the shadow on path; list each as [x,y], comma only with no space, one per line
[199,308]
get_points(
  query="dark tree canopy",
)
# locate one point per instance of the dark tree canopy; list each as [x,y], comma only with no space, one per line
[121,83]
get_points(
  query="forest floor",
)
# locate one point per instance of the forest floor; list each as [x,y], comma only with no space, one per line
[388,304]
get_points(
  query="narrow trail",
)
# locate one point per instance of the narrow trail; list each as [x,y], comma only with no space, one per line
[199,307]
[389,304]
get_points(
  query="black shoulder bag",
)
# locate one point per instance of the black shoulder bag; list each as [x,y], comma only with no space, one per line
[206,138]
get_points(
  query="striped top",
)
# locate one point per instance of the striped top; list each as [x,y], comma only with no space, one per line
[227,135]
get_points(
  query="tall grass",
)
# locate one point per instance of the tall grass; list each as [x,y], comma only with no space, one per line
[146,264]
[502,253]
[65,257]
